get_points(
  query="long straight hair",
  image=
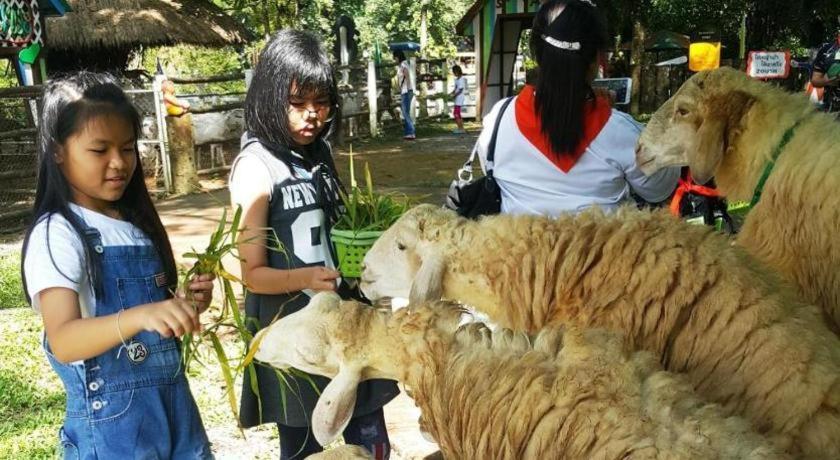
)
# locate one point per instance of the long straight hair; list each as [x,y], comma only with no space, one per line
[69,104]
[291,57]
[563,86]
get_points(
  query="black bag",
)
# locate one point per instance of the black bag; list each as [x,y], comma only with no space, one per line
[474,198]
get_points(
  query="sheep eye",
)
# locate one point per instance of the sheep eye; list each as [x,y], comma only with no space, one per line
[400,246]
[682,111]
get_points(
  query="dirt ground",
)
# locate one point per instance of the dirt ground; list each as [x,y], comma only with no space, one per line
[421,169]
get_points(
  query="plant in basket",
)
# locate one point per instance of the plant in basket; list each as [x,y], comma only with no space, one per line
[366,215]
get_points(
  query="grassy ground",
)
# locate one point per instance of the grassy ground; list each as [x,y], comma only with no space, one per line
[11,290]
[31,396]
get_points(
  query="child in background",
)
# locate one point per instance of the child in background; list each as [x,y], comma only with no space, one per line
[98,267]
[284,178]
[459,93]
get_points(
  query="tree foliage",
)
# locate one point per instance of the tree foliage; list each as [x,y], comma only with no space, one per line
[771,24]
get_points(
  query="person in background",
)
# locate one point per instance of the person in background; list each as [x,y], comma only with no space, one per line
[98,267]
[459,93]
[561,147]
[826,72]
[406,94]
[284,179]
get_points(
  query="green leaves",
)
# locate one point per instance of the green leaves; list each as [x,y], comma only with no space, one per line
[223,242]
[366,210]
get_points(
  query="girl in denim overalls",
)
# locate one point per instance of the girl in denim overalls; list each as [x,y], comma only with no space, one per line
[284,179]
[99,268]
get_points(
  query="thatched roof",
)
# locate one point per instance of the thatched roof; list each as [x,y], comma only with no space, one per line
[123,24]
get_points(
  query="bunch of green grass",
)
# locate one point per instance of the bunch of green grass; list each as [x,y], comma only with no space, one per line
[366,210]
[223,242]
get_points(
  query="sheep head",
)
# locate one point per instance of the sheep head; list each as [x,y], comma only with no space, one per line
[408,259]
[350,342]
[698,126]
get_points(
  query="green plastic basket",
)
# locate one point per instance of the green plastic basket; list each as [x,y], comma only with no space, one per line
[351,248]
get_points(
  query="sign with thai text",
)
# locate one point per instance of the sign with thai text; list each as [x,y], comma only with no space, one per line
[768,64]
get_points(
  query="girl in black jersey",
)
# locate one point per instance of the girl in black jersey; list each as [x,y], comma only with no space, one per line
[284,178]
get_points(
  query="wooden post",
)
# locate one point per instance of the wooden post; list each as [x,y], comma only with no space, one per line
[373,109]
[163,141]
[181,149]
[636,54]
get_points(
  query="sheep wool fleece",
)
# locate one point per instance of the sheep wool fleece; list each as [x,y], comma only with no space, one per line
[296,215]
[132,401]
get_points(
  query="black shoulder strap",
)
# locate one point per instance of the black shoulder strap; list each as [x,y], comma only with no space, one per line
[491,149]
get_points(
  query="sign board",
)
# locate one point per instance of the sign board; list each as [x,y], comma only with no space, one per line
[768,64]
[703,56]
[619,87]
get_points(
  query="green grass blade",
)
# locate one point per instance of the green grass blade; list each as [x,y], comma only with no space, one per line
[223,360]
[255,387]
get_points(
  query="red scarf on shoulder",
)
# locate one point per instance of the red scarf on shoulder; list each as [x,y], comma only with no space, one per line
[596,115]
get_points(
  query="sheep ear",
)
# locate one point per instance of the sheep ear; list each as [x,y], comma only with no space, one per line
[428,282]
[722,124]
[335,406]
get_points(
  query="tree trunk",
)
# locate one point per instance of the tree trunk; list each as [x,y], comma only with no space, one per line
[636,54]
[181,150]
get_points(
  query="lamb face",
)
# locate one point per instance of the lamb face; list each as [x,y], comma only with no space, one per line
[394,260]
[695,127]
[302,340]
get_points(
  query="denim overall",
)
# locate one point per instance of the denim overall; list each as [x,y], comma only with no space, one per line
[134,402]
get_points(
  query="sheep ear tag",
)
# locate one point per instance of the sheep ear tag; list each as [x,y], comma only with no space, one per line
[335,406]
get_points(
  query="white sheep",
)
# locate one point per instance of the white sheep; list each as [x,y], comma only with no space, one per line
[724,124]
[574,394]
[681,291]
[343,452]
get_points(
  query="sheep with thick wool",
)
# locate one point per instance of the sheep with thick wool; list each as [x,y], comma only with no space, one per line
[681,291]
[343,452]
[574,394]
[721,123]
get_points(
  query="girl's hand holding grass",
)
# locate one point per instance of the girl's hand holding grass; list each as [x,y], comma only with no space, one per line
[321,278]
[200,291]
[172,317]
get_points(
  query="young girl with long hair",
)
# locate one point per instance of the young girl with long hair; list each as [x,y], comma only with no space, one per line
[561,148]
[98,267]
[285,181]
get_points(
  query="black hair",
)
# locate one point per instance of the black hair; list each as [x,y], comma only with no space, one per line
[563,86]
[399,56]
[69,103]
[290,57]
[456,69]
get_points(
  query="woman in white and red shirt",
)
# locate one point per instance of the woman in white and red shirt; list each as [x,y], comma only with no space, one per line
[560,148]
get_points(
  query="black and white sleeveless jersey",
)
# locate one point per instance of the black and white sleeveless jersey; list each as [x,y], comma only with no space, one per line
[296,212]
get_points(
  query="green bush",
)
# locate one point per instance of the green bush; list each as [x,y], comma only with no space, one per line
[11,288]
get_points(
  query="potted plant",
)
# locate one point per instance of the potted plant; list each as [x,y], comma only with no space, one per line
[366,215]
